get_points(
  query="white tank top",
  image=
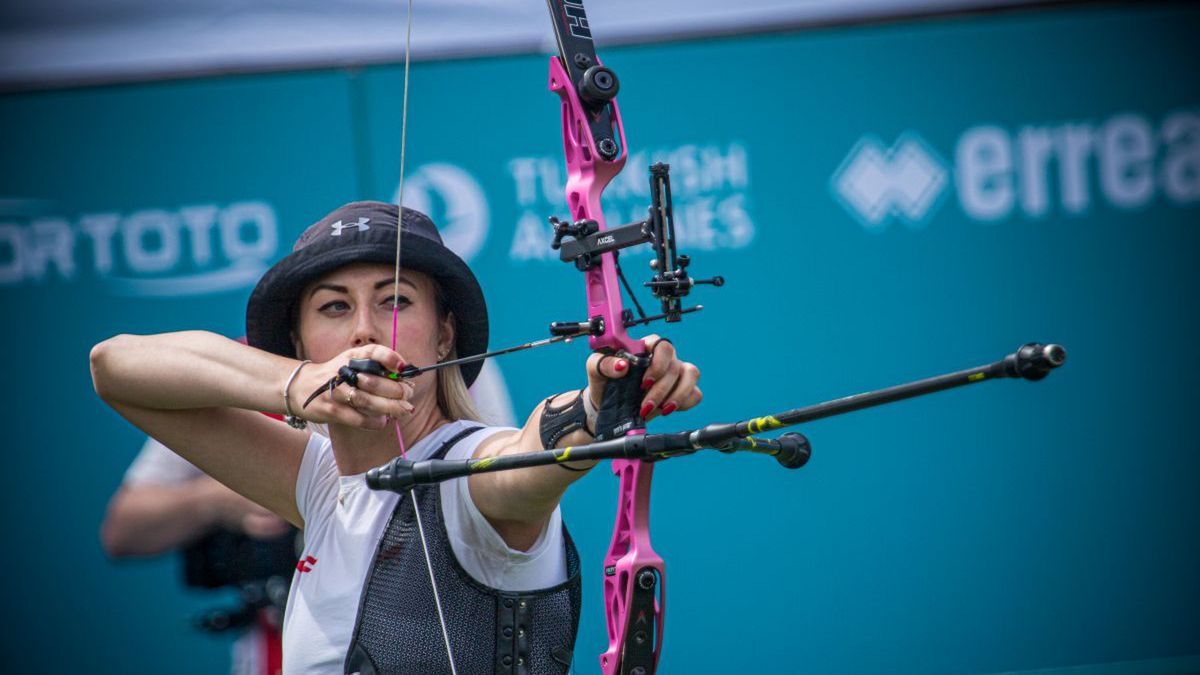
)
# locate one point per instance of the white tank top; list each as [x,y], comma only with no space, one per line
[344,520]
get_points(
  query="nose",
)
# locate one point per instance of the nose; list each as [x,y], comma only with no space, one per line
[365,332]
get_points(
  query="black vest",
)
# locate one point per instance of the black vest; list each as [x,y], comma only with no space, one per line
[491,631]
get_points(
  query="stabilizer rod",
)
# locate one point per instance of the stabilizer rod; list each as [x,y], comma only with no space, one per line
[1032,361]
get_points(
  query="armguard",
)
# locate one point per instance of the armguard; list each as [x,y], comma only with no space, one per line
[558,422]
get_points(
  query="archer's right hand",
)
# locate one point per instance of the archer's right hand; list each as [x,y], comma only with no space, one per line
[369,405]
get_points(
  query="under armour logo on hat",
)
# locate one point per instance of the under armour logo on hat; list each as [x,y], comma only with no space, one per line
[339,226]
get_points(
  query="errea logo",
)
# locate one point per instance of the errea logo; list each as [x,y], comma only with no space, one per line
[877,183]
[1125,162]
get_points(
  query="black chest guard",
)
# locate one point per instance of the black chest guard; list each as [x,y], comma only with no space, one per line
[491,631]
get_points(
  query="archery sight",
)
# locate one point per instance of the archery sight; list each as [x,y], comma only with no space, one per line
[671,281]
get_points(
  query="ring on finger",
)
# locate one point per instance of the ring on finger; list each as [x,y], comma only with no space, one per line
[600,363]
[350,397]
[659,342]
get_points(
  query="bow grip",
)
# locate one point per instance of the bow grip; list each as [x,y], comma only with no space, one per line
[621,403]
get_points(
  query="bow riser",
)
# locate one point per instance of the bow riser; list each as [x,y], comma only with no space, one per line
[587,176]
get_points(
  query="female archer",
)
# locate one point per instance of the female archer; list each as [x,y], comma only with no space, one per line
[473,575]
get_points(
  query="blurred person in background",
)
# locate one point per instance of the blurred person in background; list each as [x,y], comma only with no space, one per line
[166,504]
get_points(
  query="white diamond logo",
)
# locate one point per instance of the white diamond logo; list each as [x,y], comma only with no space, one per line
[876,183]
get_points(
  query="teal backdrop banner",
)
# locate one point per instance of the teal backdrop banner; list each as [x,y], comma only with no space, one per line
[886,202]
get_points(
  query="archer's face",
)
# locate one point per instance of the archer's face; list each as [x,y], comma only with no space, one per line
[352,306]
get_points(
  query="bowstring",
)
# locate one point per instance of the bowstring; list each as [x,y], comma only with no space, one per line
[437,601]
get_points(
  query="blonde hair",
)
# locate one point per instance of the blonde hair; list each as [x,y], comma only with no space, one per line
[453,396]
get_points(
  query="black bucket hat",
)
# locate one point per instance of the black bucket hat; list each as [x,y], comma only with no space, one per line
[366,232]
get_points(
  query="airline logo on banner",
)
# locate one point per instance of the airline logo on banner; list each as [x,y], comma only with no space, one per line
[454,200]
[710,187]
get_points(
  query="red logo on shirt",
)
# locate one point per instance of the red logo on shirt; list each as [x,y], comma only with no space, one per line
[306,564]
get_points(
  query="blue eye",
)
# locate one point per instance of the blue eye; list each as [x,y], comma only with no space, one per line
[334,306]
[398,301]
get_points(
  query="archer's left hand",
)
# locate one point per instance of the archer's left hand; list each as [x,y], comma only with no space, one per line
[669,383]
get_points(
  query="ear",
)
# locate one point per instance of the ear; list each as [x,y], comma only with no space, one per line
[446,335]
